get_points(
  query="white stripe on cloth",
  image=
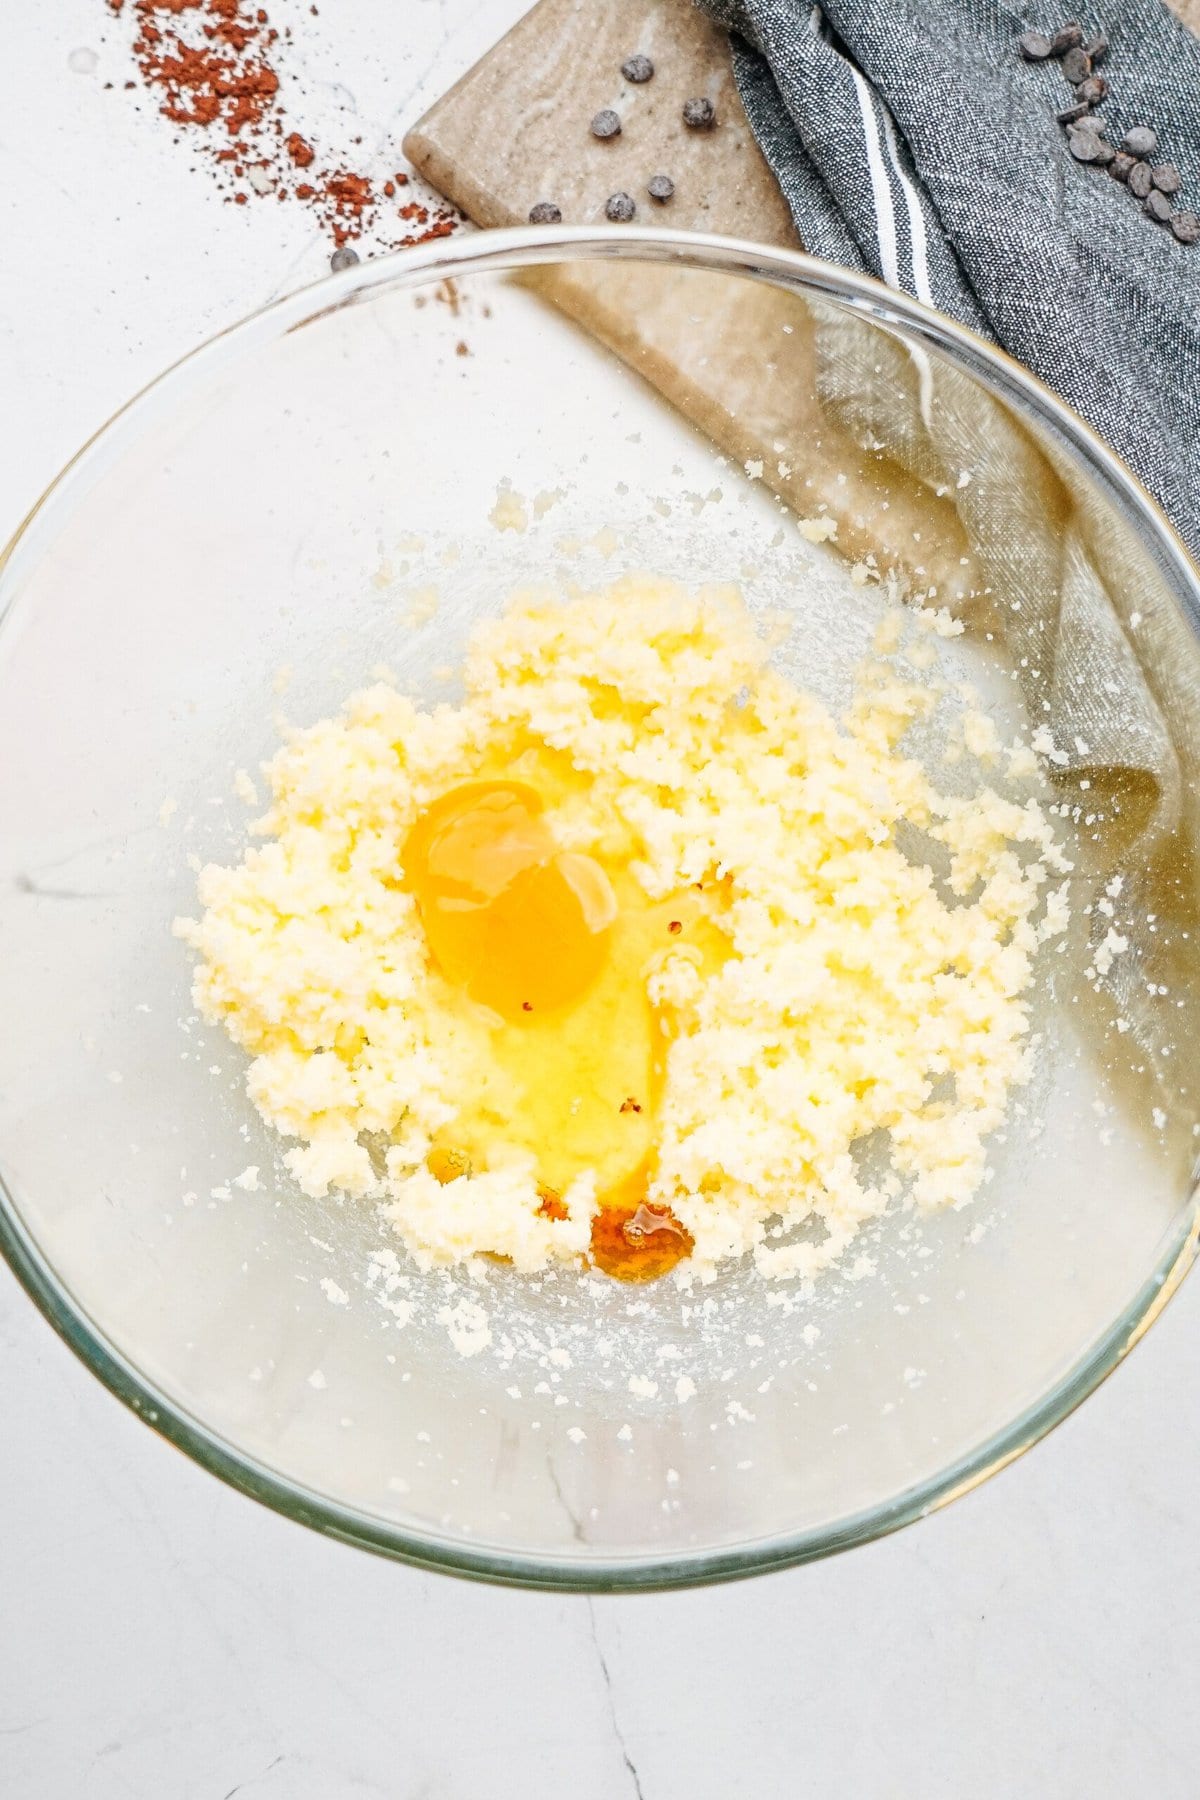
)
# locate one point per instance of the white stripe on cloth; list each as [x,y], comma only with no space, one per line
[920,251]
[916,218]
[881,187]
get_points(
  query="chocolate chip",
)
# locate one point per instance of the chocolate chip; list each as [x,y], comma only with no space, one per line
[1140,141]
[1066,38]
[1120,166]
[1097,47]
[345,258]
[545,213]
[1092,90]
[1158,206]
[1186,227]
[1076,66]
[619,208]
[699,115]
[1069,114]
[606,124]
[1141,181]
[660,187]
[1087,146]
[1035,46]
[1167,178]
[637,68]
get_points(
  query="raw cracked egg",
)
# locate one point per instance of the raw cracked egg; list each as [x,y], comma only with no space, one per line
[556,948]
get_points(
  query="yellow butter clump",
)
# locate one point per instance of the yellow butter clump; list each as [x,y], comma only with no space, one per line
[796,994]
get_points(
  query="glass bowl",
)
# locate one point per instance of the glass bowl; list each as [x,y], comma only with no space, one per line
[353,476]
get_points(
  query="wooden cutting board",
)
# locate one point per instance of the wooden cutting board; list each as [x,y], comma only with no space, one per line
[515,130]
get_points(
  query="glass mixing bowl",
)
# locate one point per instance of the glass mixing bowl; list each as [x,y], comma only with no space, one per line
[353,476]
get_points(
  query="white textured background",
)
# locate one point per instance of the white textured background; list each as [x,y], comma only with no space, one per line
[162,1638]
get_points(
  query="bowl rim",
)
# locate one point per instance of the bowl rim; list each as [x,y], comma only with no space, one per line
[424,1547]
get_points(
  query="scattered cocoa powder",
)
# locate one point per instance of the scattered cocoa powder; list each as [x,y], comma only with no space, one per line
[213,68]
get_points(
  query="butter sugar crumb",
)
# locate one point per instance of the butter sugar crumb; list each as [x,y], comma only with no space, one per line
[312,955]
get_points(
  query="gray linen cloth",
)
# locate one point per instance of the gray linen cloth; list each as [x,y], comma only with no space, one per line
[912,141]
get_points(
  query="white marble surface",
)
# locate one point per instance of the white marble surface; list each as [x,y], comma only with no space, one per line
[163,1639]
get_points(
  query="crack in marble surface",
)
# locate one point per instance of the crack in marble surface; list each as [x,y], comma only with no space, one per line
[606,1676]
[252,1780]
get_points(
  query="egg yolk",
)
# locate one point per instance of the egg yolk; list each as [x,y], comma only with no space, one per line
[520,925]
[556,948]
